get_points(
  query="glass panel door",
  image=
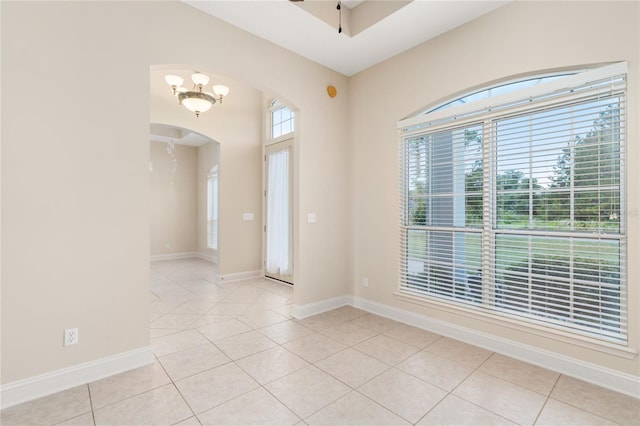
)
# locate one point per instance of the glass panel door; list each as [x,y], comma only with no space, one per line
[279,208]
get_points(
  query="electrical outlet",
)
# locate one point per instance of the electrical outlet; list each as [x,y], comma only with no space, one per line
[70,336]
[365,282]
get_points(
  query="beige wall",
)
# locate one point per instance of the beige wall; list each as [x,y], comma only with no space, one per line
[174,199]
[75,186]
[75,169]
[520,38]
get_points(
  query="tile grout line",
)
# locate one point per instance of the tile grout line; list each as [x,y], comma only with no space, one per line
[231,361]
[177,390]
[394,366]
[548,396]
[355,389]
[570,404]
[451,392]
[93,414]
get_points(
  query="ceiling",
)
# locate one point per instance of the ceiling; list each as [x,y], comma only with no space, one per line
[309,28]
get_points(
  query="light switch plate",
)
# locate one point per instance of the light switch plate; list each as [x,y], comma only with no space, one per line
[247,216]
[311,218]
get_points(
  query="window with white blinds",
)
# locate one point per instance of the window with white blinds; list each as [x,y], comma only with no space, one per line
[212,210]
[514,205]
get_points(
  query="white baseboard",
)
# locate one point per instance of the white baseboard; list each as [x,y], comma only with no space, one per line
[239,276]
[209,257]
[45,384]
[303,311]
[592,373]
[174,256]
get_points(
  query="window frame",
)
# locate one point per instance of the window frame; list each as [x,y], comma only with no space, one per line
[212,208]
[274,107]
[482,112]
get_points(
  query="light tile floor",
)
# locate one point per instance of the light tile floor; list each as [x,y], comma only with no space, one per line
[231,354]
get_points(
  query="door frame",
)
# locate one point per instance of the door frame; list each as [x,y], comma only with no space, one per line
[287,143]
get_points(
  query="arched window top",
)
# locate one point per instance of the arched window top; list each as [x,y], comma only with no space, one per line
[514,95]
[282,119]
[500,89]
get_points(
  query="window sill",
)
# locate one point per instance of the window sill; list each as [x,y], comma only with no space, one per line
[618,350]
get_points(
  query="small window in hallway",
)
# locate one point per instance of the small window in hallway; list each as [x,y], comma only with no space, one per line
[212,209]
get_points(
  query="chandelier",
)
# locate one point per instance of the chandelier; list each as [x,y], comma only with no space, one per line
[196,100]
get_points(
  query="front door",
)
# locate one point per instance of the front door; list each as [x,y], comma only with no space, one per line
[279,209]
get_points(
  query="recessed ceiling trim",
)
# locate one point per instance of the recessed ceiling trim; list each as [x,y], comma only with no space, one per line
[289,26]
[171,134]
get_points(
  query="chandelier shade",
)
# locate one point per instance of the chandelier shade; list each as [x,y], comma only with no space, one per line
[196,100]
[174,80]
[200,79]
[220,90]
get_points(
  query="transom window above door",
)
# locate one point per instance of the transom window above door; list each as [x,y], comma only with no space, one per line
[282,120]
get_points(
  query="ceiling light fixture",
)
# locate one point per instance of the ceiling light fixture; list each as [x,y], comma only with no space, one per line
[196,100]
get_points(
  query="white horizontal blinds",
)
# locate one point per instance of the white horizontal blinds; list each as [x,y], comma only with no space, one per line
[443,213]
[557,158]
[567,281]
[557,214]
[517,208]
[212,211]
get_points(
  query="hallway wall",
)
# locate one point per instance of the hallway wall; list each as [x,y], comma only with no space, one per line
[174,199]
